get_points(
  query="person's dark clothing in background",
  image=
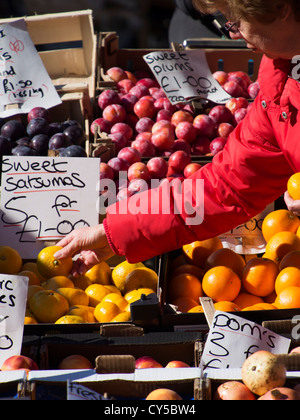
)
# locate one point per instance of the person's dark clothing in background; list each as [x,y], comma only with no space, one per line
[188,23]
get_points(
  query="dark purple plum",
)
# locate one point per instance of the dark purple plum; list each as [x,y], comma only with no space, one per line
[40,143]
[54,128]
[23,141]
[23,151]
[38,112]
[58,141]
[13,129]
[75,135]
[37,126]
[75,151]
[5,146]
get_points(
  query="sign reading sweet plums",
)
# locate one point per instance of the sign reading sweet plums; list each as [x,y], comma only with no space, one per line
[185,75]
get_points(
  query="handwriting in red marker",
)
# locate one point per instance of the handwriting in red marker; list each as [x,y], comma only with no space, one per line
[16,45]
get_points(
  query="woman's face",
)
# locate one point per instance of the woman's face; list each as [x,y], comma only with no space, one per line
[276,40]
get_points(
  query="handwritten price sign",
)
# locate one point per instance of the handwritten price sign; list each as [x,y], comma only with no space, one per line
[233,339]
[13,296]
[185,75]
[24,81]
[45,199]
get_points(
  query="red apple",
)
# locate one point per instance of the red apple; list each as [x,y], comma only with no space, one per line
[116,74]
[217,145]
[204,125]
[220,114]
[221,77]
[224,129]
[102,125]
[201,146]
[124,129]
[175,364]
[144,147]
[106,172]
[144,125]
[179,160]
[158,168]
[125,85]
[163,139]
[75,362]
[19,363]
[182,116]
[114,113]
[239,115]
[190,169]
[108,97]
[233,88]
[138,170]
[181,145]
[186,131]
[130,155]
[253,90]
[144,108]
[147,363]
[128,101]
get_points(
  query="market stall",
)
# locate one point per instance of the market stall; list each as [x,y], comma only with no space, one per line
[122,331]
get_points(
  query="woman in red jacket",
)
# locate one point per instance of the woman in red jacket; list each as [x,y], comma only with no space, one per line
[252,171]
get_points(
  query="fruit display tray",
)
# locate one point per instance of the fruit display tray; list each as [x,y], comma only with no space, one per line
[110,55]
[172,320]
[67,45]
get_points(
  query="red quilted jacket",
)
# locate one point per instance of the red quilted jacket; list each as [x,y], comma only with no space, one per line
[252,171]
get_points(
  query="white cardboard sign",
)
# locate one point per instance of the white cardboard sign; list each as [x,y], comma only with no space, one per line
[233,339]
[45,199]
[13,297]
[185,75]
[78,392]
[24,81]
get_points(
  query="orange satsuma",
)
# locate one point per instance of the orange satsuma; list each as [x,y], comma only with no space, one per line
[58,281]
[10,260]
[228,258]
[135,295]
[226,307]
[49,266]
[106,312]
[33,278]
[96,292]
[293,186]
[117,299]
[48,306]
[292,259]
[197,252]
[184,285]
[246,299]
[100,274]
[279,221]
[282,244]
[184,304]
[74,296]
[259,276]
[289,277]
[221,284]
[288,299]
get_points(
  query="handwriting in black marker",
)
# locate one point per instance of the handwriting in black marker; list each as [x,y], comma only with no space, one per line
[63,202]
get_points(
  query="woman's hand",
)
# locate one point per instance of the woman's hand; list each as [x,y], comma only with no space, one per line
[292,205]
[90,243]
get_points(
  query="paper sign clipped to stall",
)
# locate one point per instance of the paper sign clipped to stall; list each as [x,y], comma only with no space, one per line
[45,199]
[233,339]
[185,75]
[13,298]
[24,81]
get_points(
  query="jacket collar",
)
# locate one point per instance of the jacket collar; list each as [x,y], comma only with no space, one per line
[273,76]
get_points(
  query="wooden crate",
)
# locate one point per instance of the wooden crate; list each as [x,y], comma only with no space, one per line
[67,45]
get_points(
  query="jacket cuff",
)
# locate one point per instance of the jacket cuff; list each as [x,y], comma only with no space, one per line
[114,249]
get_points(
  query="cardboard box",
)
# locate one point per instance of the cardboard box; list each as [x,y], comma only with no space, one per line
[114,359]
[67,45]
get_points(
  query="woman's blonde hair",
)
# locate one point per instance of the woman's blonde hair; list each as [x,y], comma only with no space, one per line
[263,10]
